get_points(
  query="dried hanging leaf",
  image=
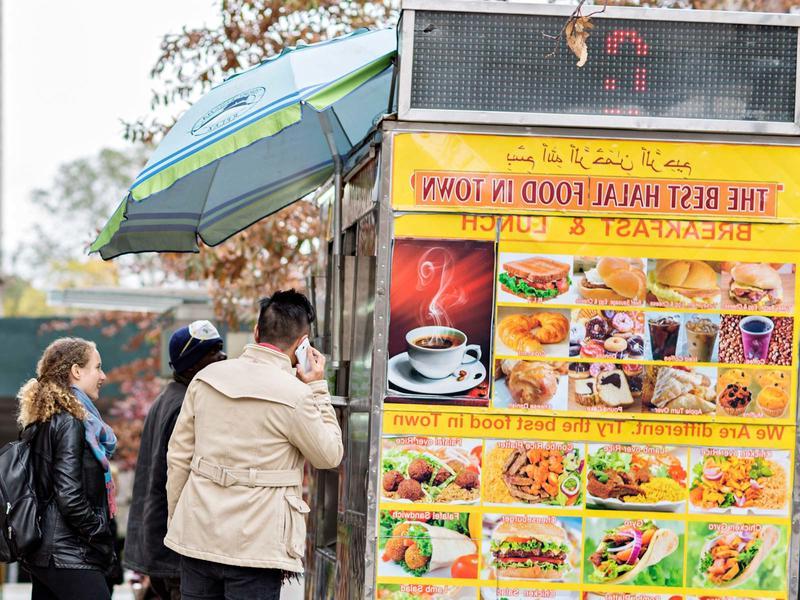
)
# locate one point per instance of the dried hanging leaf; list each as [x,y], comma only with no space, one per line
[577,30]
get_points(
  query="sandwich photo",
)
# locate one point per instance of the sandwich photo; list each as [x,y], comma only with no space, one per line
[530,550]
[683,283]
[535,279]
[614,281]
[423,548]
[731,558]
[627,550]
[755,284]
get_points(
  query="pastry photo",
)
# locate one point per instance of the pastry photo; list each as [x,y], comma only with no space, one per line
[679,390]
[530,384]
[532,332]
[604,387]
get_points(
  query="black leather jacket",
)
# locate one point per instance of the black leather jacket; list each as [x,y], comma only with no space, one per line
[70,485]
[147,520]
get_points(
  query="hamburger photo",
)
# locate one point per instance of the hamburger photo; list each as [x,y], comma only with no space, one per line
[535,279]
[530,551]
[755,284]
[616,280]
[684,282]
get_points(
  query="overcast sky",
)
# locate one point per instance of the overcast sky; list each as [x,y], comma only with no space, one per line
[71,70]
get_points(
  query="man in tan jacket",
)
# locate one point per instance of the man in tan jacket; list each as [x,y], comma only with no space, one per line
[236,456]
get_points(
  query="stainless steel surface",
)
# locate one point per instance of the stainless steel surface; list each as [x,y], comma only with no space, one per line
[611,122]
[336,332]
[615,12]
[348,297]
[379,362]
[406,112]
[359,196]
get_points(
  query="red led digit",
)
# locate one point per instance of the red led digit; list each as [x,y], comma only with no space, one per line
[614,40]
[625,36]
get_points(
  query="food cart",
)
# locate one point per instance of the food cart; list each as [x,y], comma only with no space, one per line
[565,349]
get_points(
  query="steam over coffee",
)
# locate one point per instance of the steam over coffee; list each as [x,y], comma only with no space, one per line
[439,342]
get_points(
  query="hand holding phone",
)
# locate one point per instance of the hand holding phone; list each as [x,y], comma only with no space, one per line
[302,354]
[314,367]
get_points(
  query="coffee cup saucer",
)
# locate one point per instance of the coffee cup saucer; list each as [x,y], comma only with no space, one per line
[402,375]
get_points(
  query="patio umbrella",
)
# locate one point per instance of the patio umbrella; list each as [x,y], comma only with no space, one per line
[254,144]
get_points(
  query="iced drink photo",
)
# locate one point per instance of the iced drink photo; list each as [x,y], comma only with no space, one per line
[756,335]
[701,335]
[664,333]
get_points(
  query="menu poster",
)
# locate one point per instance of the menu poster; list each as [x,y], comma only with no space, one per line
[630,431]
[441,315]
[626,331]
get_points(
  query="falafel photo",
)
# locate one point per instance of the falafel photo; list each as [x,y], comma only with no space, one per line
[431,470]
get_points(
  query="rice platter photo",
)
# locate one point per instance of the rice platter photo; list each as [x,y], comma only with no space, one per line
[636,478]
[532,474]
[725,482]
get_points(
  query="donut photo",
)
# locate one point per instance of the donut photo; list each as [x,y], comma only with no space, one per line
[598,333]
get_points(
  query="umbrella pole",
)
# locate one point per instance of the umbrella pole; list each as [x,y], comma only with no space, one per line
[336,283]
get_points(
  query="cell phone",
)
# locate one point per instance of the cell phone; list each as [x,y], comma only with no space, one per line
[302,353]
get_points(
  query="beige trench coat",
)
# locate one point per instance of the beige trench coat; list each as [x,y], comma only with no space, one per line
[235,461]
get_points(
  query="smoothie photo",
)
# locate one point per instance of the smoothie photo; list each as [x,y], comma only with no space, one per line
[756,335]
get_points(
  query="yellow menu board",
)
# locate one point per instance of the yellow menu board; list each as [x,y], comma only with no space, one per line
[447,172]
[594,406]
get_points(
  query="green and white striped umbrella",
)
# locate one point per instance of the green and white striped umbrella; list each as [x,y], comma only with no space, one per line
[253,145]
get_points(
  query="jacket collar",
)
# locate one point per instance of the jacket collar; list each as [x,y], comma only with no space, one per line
[264,355]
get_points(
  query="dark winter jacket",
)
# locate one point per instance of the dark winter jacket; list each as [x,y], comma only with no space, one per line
[71,489]
[147,521]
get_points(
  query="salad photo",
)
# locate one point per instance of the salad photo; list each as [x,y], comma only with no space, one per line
[427,547]
[636,478]
[640,552]
[731,555]
[532,474]
[431,470]
[725,482]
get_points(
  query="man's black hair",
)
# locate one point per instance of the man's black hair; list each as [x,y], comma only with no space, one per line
[284,317]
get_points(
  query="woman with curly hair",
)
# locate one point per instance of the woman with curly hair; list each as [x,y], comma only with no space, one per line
[70,450]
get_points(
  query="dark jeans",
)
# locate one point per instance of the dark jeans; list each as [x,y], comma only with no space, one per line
[67,584]
[166,588]
[203,580]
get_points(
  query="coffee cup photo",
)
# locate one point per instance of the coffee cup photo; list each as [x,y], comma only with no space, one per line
[438,352]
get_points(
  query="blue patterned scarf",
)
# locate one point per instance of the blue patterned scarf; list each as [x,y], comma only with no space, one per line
[102,441]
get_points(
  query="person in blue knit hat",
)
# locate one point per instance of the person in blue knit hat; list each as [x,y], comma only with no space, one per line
[191,348]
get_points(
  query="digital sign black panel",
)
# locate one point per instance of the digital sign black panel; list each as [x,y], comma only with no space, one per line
[636,67]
